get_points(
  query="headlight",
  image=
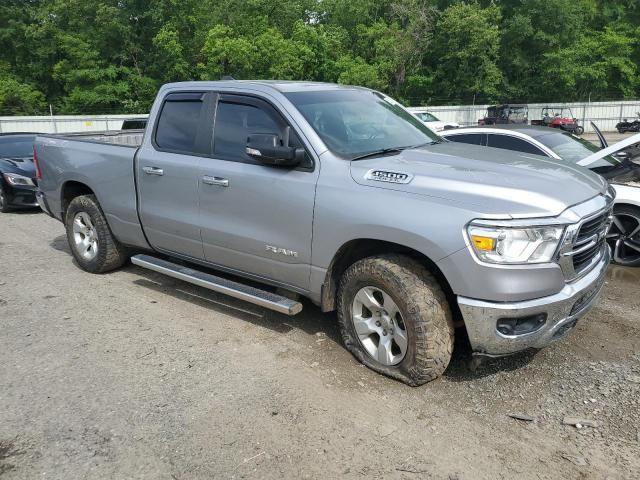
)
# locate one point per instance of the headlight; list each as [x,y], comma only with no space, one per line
[18,180]
[518,245]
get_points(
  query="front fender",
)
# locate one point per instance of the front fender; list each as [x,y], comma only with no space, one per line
[627,194]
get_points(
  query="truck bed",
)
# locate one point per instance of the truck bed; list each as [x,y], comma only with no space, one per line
[103,161]
[126,138]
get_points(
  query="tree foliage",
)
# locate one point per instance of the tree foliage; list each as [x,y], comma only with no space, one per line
[110,56]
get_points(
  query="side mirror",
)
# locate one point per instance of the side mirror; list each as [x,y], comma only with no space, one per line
[269,149]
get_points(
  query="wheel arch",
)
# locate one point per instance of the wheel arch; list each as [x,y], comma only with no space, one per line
[70,190]
[626,195]
[357,249]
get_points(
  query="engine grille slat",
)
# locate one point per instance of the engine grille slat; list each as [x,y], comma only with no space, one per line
[592,229]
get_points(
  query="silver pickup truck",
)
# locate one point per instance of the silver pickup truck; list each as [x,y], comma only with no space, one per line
[272,191]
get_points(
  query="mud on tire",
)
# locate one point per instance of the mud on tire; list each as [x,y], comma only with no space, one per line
[425,314]
[110,253]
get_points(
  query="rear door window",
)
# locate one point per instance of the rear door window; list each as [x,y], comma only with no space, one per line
[508,142]
[182,124]
[470,138]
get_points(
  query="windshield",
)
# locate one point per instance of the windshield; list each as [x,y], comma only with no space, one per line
[572,148]
[16,148]
[518,113]
[354,122]
[427,117]
[559,112]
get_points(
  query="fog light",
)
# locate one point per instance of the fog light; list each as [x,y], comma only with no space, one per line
[521,325]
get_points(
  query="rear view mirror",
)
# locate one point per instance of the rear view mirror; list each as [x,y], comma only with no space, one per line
[271,150]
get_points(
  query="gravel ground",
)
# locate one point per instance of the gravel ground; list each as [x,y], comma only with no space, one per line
[134,375]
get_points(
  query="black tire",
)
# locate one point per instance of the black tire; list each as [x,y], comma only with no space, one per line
[628,216]
[4,205]
[425,313]
[579,131]
[110,253]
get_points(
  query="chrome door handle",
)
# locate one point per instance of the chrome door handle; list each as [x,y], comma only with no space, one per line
[209,180]
[153,171]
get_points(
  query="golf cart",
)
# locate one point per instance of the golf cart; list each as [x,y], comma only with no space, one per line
[559,117]
[505,114]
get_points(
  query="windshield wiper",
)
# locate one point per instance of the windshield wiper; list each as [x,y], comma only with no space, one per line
[384,151]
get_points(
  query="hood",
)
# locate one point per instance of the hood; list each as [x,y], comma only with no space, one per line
[20,165]
[494,182]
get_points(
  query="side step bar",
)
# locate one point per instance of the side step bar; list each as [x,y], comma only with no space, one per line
[237,290]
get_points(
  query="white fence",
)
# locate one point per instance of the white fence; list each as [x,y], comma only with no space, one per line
[63,123]
[604,114]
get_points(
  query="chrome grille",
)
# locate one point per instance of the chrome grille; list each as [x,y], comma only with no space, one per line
[590,241]
[584,242]
[591,227]
[582,259]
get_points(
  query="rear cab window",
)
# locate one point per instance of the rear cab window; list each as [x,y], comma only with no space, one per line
[183,123]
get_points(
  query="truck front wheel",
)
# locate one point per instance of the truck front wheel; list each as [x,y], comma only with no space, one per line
[90,239]
[395,318]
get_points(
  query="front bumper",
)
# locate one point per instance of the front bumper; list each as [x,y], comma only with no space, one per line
[562,309]
[21,197]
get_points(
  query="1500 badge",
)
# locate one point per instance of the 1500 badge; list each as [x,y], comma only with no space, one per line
[388,176]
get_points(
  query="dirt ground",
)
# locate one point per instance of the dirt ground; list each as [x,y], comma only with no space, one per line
[134,375]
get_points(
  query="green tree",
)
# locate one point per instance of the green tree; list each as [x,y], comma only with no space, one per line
[466,53]
[597,66]
[19,98]
[111,55]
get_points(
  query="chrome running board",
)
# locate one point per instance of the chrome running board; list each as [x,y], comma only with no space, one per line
[233,289]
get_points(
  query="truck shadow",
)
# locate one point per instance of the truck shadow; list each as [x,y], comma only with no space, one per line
[26,211]
[60,244]
[463,366]
[311,320]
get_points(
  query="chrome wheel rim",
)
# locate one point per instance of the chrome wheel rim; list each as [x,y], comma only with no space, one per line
[380,326]
[2,200]
[624,238]
[85,237]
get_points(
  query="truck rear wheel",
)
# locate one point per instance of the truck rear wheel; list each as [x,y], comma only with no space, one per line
[90,239]
[395,318]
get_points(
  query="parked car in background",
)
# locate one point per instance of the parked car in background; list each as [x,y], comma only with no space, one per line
[134,124]
[434,123]
[559,117]
[622,173]
[17,171]
[243,183]
[506,114]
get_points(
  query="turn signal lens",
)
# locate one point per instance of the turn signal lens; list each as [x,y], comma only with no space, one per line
[485,244]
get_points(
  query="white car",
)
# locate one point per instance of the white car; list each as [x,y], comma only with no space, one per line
[622,173]
[434,123]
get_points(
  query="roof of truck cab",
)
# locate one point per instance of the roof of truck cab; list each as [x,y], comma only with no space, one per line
[283,86]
